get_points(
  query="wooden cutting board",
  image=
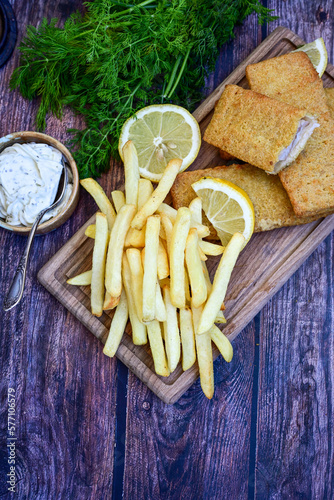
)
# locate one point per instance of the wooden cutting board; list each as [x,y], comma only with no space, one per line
[267,262]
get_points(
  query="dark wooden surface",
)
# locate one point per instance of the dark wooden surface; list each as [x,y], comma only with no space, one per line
[88,429]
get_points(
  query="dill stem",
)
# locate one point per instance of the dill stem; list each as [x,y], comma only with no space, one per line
[172,76]
[180,74]
[127,11]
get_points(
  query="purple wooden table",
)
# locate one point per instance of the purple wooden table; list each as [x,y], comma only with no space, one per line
[86,428]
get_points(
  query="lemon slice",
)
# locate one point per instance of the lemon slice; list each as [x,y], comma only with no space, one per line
[161,133]
[317,53]
[227,207]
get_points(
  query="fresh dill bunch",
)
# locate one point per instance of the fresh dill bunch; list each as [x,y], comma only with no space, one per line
[121,56]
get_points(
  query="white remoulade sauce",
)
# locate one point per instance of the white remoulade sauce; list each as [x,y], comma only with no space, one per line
[29,179]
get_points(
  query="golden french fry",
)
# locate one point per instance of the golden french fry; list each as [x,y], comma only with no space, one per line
[220,282]
[160,308]
[220,318]
[195,207]
[176,257]
[207,278]
[150,267]
[90,231]
[81,279]
[222,342]
[139,335]
[115,249]
[137,275]
[162,233]
[195,270]
[98,265]
[158,195]
[171,332]
[157,348]
[187,286]
[145,189]
[131,171]
[135,238]
[211,248]
[117,327]
[201,254]
[167,210]
[168,228]
[204,355]
[163,265]
[101,199]
[110,302]
[118,199]
[187,339]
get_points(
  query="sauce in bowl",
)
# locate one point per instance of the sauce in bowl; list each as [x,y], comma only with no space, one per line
[29,179]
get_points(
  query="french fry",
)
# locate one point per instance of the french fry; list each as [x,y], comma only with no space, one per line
[117,327]
[101,199]
[158,195]
[195,270]
[201,254]
[118,199]
[145,189]
[137,274]
[220,282]
[187,286]
[168,227]
[204,355]
[165,209]
[131,170]
[220,318]
[139,334]
[164,282]
[160,308]
[176,257]
[98,265]
[157,348]
[171,332]
[195,207]
[222,342]
[163,265]
[211,248]
[207,278]
[90,231]
[81,279]
[110,302]
[115,250]
[187,339]
[135,238]
[150,267]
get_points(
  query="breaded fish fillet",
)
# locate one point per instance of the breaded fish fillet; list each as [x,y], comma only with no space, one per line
[330,100]
[271,203]
[309,181]
[258,130]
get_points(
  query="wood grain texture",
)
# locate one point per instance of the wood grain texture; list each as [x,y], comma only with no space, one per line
[64,383]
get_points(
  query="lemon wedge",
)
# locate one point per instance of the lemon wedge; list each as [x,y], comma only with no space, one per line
[227,207]
[317,53]
[161,133]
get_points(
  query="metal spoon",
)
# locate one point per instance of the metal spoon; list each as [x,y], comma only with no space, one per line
[15,291]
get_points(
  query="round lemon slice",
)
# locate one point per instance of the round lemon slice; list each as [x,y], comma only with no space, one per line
[161,133]
[317,53]
[227,207]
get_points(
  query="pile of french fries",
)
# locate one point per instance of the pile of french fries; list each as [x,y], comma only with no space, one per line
[149,263]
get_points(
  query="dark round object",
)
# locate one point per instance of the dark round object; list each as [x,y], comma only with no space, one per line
[8,31]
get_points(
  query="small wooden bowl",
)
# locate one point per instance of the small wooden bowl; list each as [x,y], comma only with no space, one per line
[68,209]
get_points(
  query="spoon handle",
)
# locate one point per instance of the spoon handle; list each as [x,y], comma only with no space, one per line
[16,288]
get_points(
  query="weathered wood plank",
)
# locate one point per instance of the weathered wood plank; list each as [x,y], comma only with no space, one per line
[195,448]
[65,387]
[294,453]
